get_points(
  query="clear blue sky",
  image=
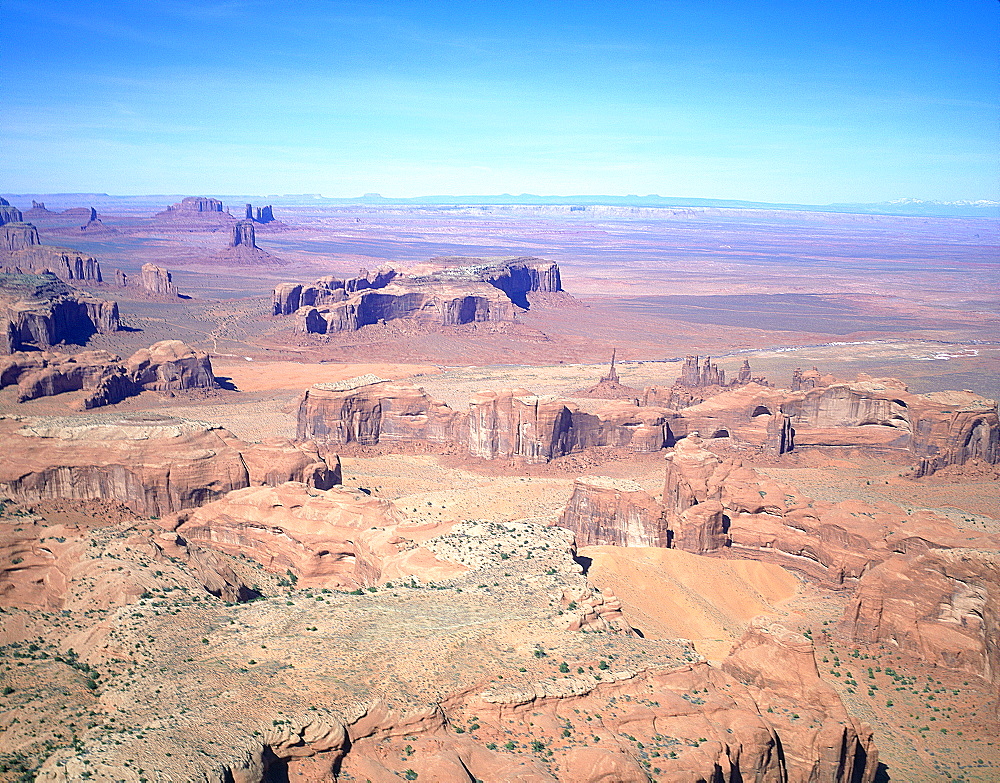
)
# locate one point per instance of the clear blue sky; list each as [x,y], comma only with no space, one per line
[797,101]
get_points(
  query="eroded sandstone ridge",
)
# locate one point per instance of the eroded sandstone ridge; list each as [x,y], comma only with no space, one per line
[443,292]
[40,311]
[166,366]
[157,281]
[153,464]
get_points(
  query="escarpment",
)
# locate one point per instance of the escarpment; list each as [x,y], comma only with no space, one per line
[511,424]
[153,464]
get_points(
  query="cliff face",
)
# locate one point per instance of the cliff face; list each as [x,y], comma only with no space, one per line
[943,605]
[8,213]
[153,464]
[603,511]
[15,235]
[170,365]
[25,255]
[165,366]
[157,281]
[366,413]
[41,311]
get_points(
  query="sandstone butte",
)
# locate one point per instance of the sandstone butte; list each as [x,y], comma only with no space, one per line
[40,311]
[153,464]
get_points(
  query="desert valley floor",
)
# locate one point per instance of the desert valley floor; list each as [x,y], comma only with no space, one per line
[412,523]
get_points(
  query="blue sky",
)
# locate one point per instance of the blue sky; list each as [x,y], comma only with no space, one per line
[751,99]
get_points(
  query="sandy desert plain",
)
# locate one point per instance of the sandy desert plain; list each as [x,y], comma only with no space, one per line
[214,569]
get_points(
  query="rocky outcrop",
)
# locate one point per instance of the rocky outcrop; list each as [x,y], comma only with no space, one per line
[881,415]
[779,668]
[518,424]
[170,365]
[155,465]
[942,605]
[38,211]
[692,499]
[242,249]
[605,511]
[194,205]
[41,311]
[243,235]
[44,374]
[289,297]
[368,410]
[260,214]
[157,281]
[9,213]
[24,254]
[167,366]
[338,538]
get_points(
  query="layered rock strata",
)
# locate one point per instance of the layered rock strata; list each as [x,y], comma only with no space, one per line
[157,281]
[605,511]
[41,311]
[166,366]
[444,292]
[153,464]
[511,424]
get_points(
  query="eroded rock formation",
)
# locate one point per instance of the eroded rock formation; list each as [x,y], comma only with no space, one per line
[337,538]
[157,281]
[166,366]
[41,311]
[605,511]
[10,213]
[940,604]
[153,464]
[194,205]
[443,292]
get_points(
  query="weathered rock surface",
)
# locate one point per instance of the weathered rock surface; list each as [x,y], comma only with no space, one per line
[47,373]
[242,248]
[337,538]
[443,292]
[157,281]
[618,512]
[153,464]
[18,236]
[166,366]
[170,365]
[365,412]
[9,213]
[194,205]
[940,604]
[41,311]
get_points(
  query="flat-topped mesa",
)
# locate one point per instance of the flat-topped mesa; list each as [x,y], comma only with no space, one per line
[39,311]
[879,414]
[157,281]
[15,235]
[510,424]
[155,465]
[243,235]
[196,204]
[442,292]
[369,410]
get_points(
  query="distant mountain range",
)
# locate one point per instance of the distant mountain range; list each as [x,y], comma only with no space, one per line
[903,206]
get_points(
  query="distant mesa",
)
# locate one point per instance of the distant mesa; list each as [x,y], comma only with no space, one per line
[38,211]
[38,311]
[442,292]
[196,213]
[21,251]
